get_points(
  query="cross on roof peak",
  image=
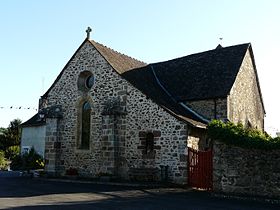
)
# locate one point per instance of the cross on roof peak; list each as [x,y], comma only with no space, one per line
[88,32]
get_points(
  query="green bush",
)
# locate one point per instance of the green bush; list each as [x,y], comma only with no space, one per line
[12,151]
[28,161]
[237,135]
[3,161]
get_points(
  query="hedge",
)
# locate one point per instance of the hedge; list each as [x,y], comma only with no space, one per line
[237,135]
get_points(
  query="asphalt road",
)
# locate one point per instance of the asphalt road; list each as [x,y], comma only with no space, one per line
[33,193]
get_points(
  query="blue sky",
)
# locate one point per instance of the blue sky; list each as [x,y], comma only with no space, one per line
[39,37]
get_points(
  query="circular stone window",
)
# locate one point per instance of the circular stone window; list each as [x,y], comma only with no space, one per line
[90,81]
[85,81]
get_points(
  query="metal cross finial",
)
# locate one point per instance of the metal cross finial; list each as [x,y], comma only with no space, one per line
[88,32]
[221,39]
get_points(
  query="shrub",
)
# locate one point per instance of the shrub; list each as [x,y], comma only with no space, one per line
[28,161]
[3,162]
[237,135]
[12,151]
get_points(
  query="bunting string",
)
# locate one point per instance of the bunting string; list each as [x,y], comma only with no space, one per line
[18,107]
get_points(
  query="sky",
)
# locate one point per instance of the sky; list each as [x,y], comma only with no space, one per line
[39,37]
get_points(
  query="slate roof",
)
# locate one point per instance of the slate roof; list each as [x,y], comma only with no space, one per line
[124,64]
[205,75]
[34,121]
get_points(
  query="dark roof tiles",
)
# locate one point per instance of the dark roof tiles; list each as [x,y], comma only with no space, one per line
[205,75]
[34,121]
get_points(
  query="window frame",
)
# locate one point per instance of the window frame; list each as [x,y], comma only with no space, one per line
[150,143]
[84,116]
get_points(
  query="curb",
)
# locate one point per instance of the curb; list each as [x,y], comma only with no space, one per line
[127,184]
[247,198]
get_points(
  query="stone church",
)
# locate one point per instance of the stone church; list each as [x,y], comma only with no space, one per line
[108,113]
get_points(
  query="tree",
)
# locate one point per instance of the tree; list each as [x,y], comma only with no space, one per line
[3,138]
[10,138]
[3,161]
[14,132]
[3,143]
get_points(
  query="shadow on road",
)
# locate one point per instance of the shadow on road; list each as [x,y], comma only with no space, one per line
[32,193]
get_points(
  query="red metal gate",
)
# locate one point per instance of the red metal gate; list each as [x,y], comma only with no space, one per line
[200,169]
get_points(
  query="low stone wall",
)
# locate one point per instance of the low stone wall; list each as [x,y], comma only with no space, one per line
[243,171]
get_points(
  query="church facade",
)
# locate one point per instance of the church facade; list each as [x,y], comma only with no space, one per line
[107,113]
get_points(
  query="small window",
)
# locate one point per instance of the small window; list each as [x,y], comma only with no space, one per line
[85,81]
[149,143]
[90,81]
[25,149]
[85,137]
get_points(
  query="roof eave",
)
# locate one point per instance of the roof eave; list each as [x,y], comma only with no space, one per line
[189,121]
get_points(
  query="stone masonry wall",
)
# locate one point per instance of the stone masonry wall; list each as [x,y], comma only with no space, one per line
[211,108]
[244,171]
[52,146]
[115,139]
[197,139]
[244,99]
[169,133]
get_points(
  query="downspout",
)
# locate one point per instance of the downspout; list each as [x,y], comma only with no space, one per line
[180,103]
[215,109]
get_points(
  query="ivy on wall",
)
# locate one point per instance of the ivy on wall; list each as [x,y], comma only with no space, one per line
[237,135]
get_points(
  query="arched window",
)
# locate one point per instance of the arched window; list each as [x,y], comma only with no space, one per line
[85,137]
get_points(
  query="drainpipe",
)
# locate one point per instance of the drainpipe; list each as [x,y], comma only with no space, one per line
[215,109]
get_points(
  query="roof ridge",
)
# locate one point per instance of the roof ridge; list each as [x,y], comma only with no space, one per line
[202,52]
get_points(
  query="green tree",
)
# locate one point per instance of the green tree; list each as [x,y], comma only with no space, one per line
[14,132]
[3,161]
[3,140]
[10,139]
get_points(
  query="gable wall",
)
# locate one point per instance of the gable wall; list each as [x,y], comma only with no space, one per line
[65,92]
[128,130]
[170,136]
[210,108]
[244,99]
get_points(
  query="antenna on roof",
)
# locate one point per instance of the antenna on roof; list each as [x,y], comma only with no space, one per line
[88,32]
[220,44]
[221,40]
